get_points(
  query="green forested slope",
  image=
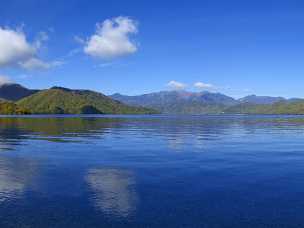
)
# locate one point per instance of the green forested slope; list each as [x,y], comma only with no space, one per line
[10,108]
[276,108]
[65,101]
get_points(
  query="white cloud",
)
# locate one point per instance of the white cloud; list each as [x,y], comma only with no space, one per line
[112,39]
[72,53]
[113,64]
[34,64]
[79,40]
[203,86]
[14,47]
[37,64]
[5,80]
[16,50]
[176,85]
[41,38]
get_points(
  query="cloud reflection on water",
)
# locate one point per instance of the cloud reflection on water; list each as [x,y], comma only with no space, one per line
[15,176]
[114,191]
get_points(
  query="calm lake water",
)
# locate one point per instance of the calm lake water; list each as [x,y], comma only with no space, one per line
[152,171]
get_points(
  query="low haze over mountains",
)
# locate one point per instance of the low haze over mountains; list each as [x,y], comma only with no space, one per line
[17,99]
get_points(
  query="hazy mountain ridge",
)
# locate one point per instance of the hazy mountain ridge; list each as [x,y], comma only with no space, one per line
[183,102]
[254,99]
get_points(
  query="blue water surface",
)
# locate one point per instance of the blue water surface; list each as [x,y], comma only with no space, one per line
[152,171]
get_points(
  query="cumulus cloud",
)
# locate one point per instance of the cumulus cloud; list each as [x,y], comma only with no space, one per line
[112,39]
[16,50]
[5,80]
[176,85]
[203,86]
[14,47]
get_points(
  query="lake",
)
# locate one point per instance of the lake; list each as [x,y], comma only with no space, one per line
[152,171]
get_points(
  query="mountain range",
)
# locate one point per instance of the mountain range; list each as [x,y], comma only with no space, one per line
[183,102]
[180,102]
[16,99]
[59,100]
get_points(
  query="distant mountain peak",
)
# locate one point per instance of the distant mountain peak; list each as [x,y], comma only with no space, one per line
[61,88]
[9,84]
[254,99]
[14,91]
[117,94]
[179,101]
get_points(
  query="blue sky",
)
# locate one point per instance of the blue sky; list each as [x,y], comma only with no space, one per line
[235,47]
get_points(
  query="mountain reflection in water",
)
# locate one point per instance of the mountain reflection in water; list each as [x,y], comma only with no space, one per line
[176,130]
